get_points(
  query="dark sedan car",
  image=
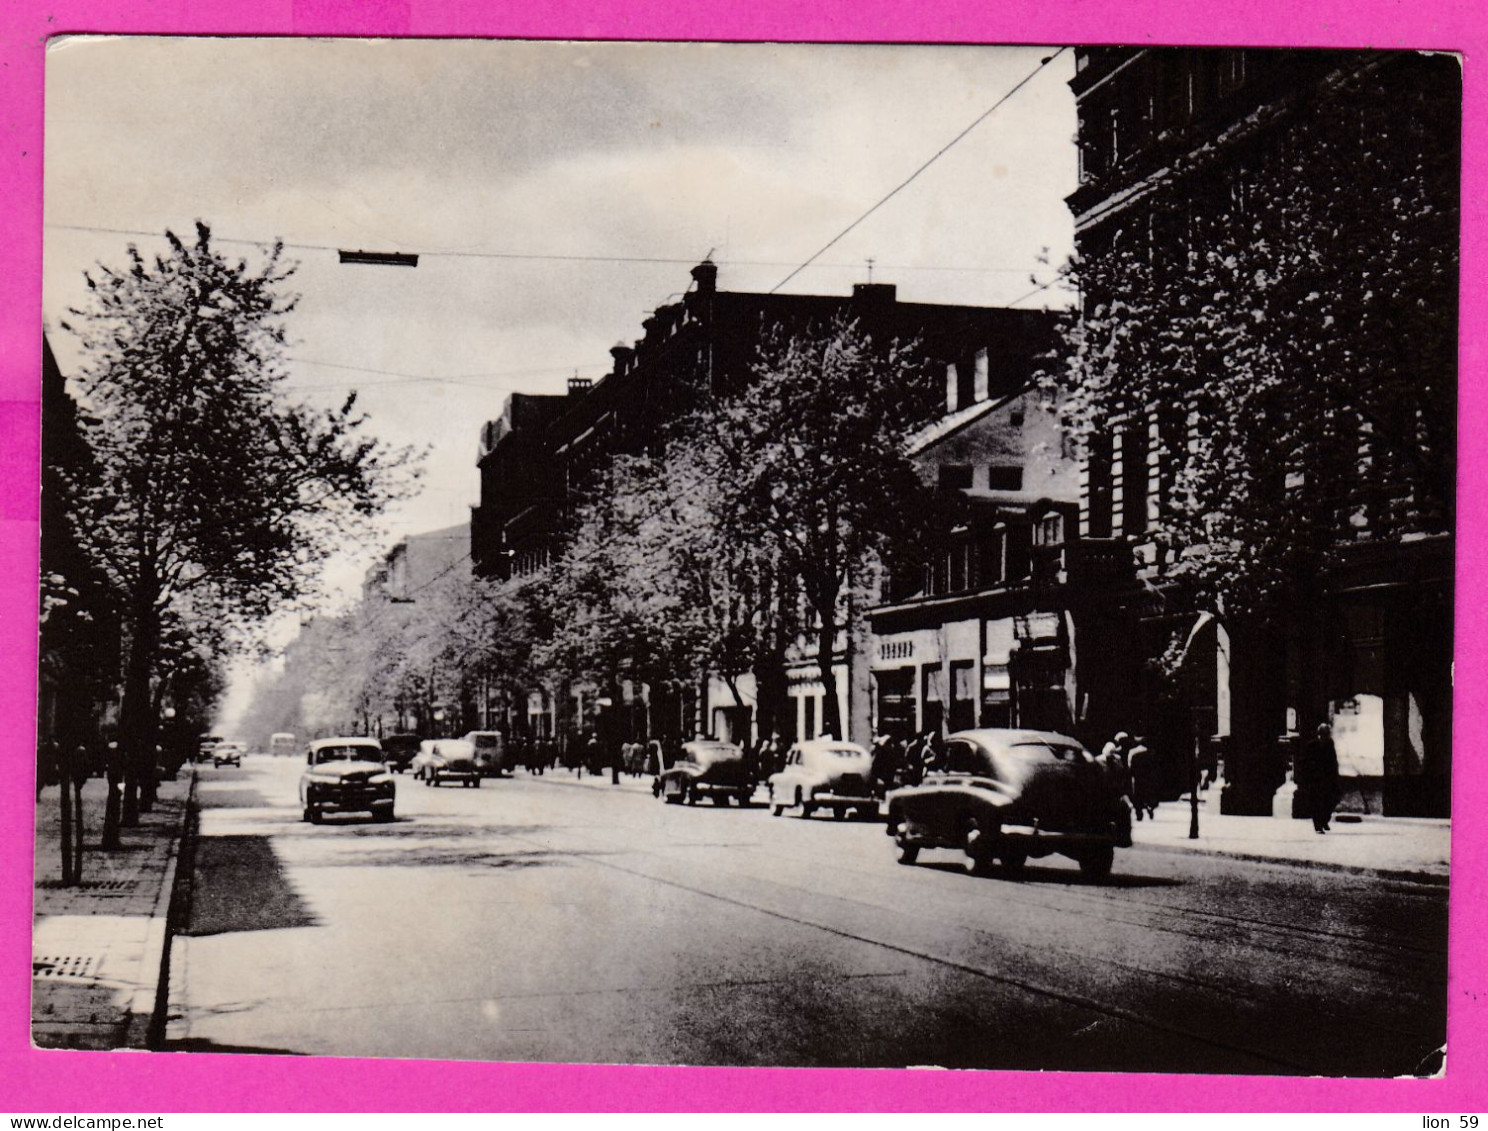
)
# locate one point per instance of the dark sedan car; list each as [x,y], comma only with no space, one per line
[1006,795]
[706,768]
[346,775]
[399,749]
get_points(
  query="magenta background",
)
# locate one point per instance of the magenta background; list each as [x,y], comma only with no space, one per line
[45,1082]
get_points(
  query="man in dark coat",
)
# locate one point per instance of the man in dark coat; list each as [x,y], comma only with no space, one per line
[1316,776]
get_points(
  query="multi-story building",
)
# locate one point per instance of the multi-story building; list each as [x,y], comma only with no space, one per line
[537,469]
[979,637]
[1329,178]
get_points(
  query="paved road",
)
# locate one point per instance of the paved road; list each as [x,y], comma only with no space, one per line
[542,920]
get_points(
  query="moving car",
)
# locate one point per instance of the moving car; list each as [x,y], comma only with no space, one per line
[1006,795]
[706,768]
[446,759]
[490,751]
[346,775]
[227,754]
[399,750]
[824,773]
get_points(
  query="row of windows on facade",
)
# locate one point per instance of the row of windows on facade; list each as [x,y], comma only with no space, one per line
[1000,557]
[1128,114]
[1129,473]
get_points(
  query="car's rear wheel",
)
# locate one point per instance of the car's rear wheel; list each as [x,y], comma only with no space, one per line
[721,800]
[308,814]
[777,810]
[316,816]
[1095,863]
[384,814]
[1013,863]
[908,853]
[477,783]
[693,796]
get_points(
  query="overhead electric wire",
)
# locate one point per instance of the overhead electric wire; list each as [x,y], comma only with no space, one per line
[557,257]
[893,192]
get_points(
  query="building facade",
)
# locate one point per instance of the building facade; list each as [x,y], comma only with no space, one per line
[1273,234]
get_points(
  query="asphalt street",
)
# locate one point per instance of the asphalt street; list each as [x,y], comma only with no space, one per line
[537,919]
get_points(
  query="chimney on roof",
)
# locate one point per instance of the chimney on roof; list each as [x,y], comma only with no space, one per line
[622,354]
[705,275]
[875,294]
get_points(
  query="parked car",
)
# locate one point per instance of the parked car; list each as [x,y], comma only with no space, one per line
[446,759]
[227,754]
[346,775]
[1006,795]
[824,773]
[706,768]
[399,750]
[490,751]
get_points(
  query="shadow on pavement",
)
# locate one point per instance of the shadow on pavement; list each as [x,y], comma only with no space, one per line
[1036,874]
[238,884]
[233,799]
[199,1044]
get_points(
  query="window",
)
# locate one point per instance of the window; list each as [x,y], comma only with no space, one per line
[989,560]
[958,567]
[1134,478]
[1051,530]
[955,476]
[1098,494]
[1004,478]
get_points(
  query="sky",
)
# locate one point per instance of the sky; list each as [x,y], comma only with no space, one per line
[556,194]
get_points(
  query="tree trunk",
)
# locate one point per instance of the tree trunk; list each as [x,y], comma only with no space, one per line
[136,724]
[64,769]
[831,710]
[79,826]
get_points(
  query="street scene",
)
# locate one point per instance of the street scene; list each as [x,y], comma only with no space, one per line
[632,554]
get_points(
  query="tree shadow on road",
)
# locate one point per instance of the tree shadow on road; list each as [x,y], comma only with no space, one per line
[238,884]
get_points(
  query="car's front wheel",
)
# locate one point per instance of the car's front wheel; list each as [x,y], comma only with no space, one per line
[1095,863]
[908,853]
[979,856]
[383,813]
[308,814]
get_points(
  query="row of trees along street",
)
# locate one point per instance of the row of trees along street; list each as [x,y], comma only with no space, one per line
[208,498]
[759,515]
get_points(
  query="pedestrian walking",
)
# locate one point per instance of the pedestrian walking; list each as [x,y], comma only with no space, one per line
[1114,760]
[1316,776]
[1142,771]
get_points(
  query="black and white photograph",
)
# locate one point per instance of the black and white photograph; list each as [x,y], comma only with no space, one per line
[748,554]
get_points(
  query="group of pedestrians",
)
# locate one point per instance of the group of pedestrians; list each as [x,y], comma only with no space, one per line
[1133,768]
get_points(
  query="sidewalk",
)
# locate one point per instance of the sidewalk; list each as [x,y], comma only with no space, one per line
[99,949]
[1407,848]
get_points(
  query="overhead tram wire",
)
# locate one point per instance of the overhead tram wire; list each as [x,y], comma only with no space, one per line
[554,257]
[893,192]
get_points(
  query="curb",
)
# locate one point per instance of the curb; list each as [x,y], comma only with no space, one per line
[146,1023]
[1434,879]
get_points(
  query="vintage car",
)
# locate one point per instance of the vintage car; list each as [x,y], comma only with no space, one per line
[227,754]
[446,759]
[825,774]
[399,750]
[346,775]
[490,751]
[705,768]
[1006,795]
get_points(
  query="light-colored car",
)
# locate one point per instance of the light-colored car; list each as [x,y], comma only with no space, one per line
[446,759]
[490,751]
[346,775]
[227,754]
[1006,795]
[823,773]
[706,768]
